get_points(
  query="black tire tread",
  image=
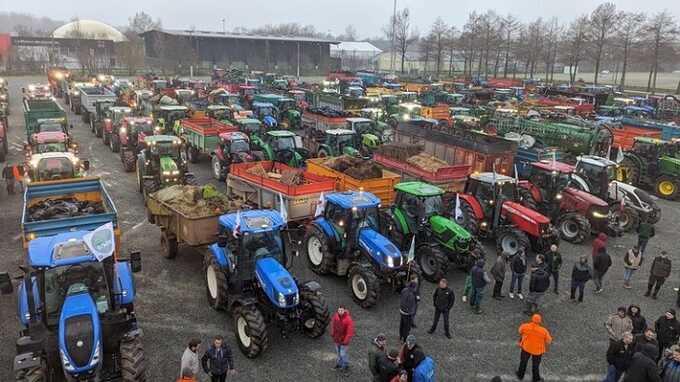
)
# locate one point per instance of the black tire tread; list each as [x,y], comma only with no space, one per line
[222,301]
[132,361]
[372,283]
[257,329]
[584,225]
[321,314]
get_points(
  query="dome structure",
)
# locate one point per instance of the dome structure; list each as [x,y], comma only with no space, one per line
[89,29]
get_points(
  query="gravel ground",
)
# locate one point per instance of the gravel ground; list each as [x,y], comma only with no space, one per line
[172,307]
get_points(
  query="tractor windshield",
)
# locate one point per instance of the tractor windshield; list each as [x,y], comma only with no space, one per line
[284,143]
[88,277]
[145,127]
[118,116]
[55,168]
[55,147]
[506,190]
[239,146]
[432,205]
[52,127]
[263,244]
[250,128]
[363,127]
[167,149]
[366,217]
[343,141]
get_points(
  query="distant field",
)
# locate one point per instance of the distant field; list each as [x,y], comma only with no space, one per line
[664,81]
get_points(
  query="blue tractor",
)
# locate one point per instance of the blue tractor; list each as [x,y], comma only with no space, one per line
[266,112]
[245,274]
[345,240]
[77,314]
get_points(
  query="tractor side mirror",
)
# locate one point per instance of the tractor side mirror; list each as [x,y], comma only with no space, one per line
[135,261]
[86,165]
[6,283]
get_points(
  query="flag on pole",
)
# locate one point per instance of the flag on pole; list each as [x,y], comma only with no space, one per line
[619,155]
[320,206]
[516,175]
[283,211]
[554,158]
[237,226]
[458,213]
[609,152]
[412,250]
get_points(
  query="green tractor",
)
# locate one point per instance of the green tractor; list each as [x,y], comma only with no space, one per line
[439,241]
[281,146]
[336,142]
[652,163]
[169,117]
[161,164]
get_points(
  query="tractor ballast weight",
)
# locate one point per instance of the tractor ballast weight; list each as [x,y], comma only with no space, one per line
[245,274]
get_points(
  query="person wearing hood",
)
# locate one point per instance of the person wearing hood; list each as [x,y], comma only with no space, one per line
[661,269]
[534,340]
[667,330]
[648,337]
[376,352]
[342,331]
[601,263]
[580,275]
[617,324]
[639,321]
[619,356]
[670,365]
[479,281]
[539,283]
[518,266]
[631,263]
[599,242]
[498,274]
[407,309]
[643,366]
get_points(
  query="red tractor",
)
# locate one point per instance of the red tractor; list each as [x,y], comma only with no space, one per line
[576,213]
[233,147]
[489,207]
[130,139]
[113,119]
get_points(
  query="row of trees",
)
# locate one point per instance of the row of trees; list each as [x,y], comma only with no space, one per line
[489,44]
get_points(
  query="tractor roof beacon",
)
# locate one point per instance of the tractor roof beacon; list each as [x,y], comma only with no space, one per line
[345,240]
[76,312]
[439,240]
[245,273]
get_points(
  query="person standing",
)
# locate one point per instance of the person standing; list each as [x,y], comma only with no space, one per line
[217,361]
[376,352]
[642,366]
[498,274]
[619,356]
[187,376]
[661,269]
[553,258]
[388,366]
[342,331]
[533,343]
[645,232]
[631,263]
[518,266]
[638,320]
[617,324]
[648,337]
[479,281]
[580,275]
[601,263]
[190,358]
[600,242]
[667,330]
[443,300]
[8,175]
[411,355]
[670,366]
[539,283]
[407,308]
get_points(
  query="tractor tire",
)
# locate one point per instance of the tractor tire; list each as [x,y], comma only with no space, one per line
[364,285]
[168,245]
[33,374]
[654,215]
[628,219]
[628,172]
[322,154]
[511,240]
[132,361]
[114,143]
[193,154]
[216,164]
[107,139]
[573,227]
[667,187]
[318,250]
[317,320]
[432,261]
[250,329]
[129,161]
[190,179]
[469,220]
[215,283]
[527,199]
[150,186]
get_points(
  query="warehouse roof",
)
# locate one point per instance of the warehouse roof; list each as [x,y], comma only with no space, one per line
[240,36]
[356,46]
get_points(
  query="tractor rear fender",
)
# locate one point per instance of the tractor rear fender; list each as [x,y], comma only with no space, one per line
[535,192]
[221,255]
[124,287]
[525,219]
[242,301]
[669,166]
[637,161]
[476,207]
[22,300]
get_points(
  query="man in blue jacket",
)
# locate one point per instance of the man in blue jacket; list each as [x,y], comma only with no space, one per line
[217,361]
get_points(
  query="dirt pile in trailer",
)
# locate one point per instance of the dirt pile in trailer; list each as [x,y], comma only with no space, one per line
[427,162]
[399,151]
[195,201]
[64,208]
[290,177]
[356,168]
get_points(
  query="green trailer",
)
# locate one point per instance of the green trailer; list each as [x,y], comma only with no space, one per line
[39,112]
[202,135]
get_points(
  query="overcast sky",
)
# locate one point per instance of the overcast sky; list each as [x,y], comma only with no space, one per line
[368,16]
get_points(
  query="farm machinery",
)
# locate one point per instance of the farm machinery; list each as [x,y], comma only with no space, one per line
[112,121]
[161,164]
[245,274]
[282,146]
[233,147]
[344,240]
[652,163]
[439,241]
[130,139]
[54,166]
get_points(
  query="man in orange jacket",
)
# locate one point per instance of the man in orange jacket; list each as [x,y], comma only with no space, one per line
[534,340]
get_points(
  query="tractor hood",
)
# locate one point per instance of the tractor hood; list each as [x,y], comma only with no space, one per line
[586,197]
[380,248]
[668,161]
[79,332]
[277,283]
[168,164]
[269,121]
[449,231]
[526,219]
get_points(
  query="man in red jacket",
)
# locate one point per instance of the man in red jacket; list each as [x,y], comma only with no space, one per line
[342,331]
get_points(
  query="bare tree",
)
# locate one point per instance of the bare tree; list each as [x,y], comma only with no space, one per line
[142,22]
[629,36]
[438,35]
[575,40]
[510,26]
[550,47]
[427,48]
[404,35]
[451,44]
[661,33]
[602,24]
[350,34]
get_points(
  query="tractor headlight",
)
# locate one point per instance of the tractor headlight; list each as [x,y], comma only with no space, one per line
[166,173]
[95,357]
[296,298]
[123,130]
[599,215]
[484,224]
[157,129]
[389,260]
[66,363]
[175,172]
[281,299]
[558,196]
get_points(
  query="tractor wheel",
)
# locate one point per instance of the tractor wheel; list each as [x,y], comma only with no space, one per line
[114,144]
[365,286]
[33,374]
[107,139]
[251,331]
[433,263]
[168,245]
[468,219]
[527,199]
[667,187]
[190,179]
[318,250]
[573,227]
[628,172]
[150,186]
[132,361]
[217,168]
[628,219]
[129,161]
[215,283]
[322,153]
[316,315]
[511,240]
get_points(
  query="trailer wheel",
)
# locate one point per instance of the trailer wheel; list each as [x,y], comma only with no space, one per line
[215,283]
[433,263]
[33,374]
[250,329]
[365,286]
[168,245]
[573,227]
[315,317]
[132,360]
[318,250]
[322,153]
[667,187]
[511,241]
[628,218]
[628,172]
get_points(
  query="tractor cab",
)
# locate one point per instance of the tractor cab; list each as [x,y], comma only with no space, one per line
[220,113]
[169,117]
[250,126]
[158,85]
[339,142]
[233,147]
[161,163]
[372,133]
[490,189]
[597,173]
[550,178]
[113,119]
[284,146]
[134,130]
[184,96]
[49,142]
[54,166]
[266,112]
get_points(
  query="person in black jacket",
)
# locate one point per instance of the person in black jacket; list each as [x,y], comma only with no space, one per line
[639,321]
[642,366]
[388,366]
[619,356]
[443,300]
[648,337]
[580,275]
[667,330]
[601,263]
[518,266]
[411,355]
[217,361]
[539,282]
[376,352]
[407,309]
